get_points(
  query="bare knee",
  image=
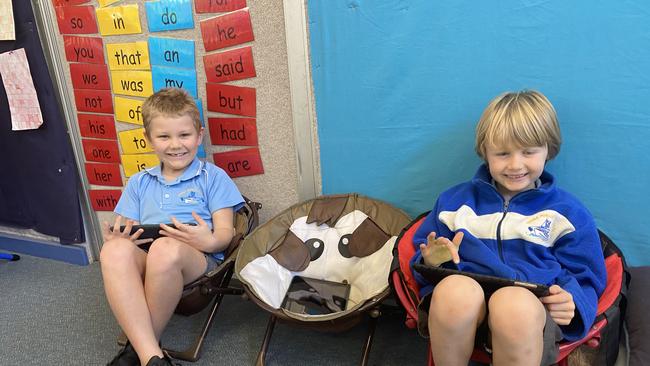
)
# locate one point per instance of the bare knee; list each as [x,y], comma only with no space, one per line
[164,255]
[457,300]
[117,252]
[515,314]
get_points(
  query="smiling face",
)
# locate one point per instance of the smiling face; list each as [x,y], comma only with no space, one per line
[515,169]
[175,140]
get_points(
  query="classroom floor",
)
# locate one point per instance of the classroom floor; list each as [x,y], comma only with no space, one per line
[56,313]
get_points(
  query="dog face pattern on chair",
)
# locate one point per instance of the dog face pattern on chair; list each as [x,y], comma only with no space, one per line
[328,246]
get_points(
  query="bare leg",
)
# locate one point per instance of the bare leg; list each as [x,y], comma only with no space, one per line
[171,264]
[457,308]
[516,319]
[123,268]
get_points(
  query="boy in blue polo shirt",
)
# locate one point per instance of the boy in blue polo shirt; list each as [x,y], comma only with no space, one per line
[510,220]
[143,288]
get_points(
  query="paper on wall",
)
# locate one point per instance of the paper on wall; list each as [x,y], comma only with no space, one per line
[18,83]
[7,28]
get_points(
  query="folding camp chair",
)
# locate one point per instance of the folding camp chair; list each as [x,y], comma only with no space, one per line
[339,238]
[603,337]
[211,287]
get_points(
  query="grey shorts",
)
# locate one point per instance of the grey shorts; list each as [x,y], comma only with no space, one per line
[552,333]
[212,263]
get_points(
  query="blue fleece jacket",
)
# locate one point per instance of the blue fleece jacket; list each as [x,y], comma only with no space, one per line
[543,235]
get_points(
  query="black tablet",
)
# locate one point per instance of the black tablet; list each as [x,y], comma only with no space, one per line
[489,283]
[312,296]
[151,231]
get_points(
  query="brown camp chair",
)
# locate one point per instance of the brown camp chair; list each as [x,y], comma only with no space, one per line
[340,239]
[211,287]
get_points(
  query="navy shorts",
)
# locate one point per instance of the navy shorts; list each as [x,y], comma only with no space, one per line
[552,333]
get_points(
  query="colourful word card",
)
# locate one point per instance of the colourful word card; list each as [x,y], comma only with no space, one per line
[174,77]
[99,126]
[7,28]
[166,15]
[104,199]
[101,151]
[76,19]
[134,163]
[104,174]
[233,131]
[134,142]
[133,83]
[90,100]
[89,76]
[227,30]
[231,99]
[84,49]
[230,65]
[172,52]
[21,95]
[128,56]
[240,163]
[218,6]
[119,20]
[129,110]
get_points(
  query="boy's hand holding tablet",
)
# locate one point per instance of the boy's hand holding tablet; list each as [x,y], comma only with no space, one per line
[440,250]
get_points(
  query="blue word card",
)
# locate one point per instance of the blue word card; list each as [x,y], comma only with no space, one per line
[165,15]
[171,52]
[174,77]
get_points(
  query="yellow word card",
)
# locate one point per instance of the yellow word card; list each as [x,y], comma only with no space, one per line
[134,163]
[134,142]
[133,83]
[128,110]
[117,20]
[128,56]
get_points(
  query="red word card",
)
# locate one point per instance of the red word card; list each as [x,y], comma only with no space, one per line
[84,49]
[230,65]
[88,100]
[104,199]
[231,99]
[233,131]
[102,151]
[89,76]
[76,19]
[100,126]
[68,2]
[104,174]
[218,6]
[227,30]
[240,163]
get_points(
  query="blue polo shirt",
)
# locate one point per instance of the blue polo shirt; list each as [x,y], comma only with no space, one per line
[203,188]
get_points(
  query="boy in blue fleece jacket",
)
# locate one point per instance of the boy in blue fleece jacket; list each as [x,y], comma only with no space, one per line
[510,220]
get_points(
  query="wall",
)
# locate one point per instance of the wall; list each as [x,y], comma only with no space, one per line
[277,188]
[399,86]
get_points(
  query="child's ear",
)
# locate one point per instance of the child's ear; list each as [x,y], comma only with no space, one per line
[201,132]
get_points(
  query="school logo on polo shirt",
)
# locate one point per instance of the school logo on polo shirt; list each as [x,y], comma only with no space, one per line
[191,196]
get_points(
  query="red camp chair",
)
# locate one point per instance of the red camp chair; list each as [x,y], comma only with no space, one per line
[603,337]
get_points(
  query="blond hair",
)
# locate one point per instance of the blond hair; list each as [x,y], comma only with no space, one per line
[172,102]
[525,118]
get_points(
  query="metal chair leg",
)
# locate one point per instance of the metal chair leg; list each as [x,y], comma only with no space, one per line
[192,353]
[372,325]
[261,356]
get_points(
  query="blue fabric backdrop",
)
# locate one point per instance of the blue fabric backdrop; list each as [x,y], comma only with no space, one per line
[400,84]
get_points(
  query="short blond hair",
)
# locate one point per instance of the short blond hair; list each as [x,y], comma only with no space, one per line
[173,102]
[524,118]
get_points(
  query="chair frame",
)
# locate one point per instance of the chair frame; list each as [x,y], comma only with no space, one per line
[211,288]
[591,340]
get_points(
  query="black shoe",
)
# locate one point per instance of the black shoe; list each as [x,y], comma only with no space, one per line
[126,357]
[165,361]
